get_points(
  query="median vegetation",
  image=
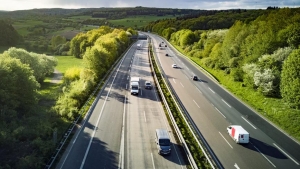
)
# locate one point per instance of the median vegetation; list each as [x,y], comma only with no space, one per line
[192,144]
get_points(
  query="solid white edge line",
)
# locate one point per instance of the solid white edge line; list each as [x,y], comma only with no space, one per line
[211,90]
[249,122]
[220,112]
[126,86]
[152,161]
[97,123]
[286,154]
[226,103]
[174,80]
[145,116]
[196,103]
[225,140]
[121,155]
[98,120]
[264,156]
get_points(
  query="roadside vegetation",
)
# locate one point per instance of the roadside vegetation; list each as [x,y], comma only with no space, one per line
[258,61]
[192,144]
[254,58]
[36,112]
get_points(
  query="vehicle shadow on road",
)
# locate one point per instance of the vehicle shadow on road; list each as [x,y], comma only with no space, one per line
[173,157]
[264,148]
[100,156]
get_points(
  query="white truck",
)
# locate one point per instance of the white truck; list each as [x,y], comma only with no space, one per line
[238,134]
[138,46]
[134,85]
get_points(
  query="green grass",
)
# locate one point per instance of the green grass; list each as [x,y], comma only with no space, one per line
[66,62]
[138,21]
[49,90]
[22,25]
[61,31]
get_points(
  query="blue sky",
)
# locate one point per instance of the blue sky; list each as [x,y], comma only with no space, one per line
[9,5]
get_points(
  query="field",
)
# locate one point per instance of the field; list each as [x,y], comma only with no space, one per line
[22,26]
[138,21]
[66,62]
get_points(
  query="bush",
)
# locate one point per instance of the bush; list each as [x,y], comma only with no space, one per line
[237,75]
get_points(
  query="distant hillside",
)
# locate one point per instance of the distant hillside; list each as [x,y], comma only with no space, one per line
[108,13]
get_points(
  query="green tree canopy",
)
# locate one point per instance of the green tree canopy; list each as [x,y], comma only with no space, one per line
[290,79]
[41,64]
[18,87]
[8,35]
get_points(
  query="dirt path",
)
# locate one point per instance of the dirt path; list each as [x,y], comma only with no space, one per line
[57,77]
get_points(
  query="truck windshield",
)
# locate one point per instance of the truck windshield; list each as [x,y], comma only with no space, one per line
[164,142]
[134,88]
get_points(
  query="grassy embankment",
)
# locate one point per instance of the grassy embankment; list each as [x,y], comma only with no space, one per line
[273,109]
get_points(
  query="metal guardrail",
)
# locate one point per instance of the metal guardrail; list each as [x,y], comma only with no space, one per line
[71,127]
[190,123]
[177,130]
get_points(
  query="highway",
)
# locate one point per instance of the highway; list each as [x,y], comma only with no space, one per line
[119,131]
[212,109]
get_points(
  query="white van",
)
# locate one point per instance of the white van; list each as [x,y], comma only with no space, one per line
[163,142]
[134,85]
[238,134]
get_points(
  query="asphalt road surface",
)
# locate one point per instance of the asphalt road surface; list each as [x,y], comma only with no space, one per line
[119,130]
[212,109]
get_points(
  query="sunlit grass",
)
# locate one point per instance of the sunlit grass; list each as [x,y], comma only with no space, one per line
[66,62]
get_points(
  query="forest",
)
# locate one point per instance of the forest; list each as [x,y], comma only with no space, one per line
[253,53]
[258,59]
[27,122]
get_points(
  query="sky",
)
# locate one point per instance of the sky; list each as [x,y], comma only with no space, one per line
[11,5]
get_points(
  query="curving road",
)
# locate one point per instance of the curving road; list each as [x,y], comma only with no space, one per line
[212,109]
[119,130]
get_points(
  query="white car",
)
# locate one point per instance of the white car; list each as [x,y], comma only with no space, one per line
[174,66]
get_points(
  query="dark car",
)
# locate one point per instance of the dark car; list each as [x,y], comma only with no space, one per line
[165,45]
[194,77]
[167,54]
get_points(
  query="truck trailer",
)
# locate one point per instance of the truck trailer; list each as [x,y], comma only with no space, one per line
[134,85]
[238,134]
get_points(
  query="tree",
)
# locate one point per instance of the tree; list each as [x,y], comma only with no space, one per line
[56,41]
[264,81]
[290,79]
[168,32]
[8,35]
[41,64]
[77,48]
[18,87]
[187,38]
[294,35]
